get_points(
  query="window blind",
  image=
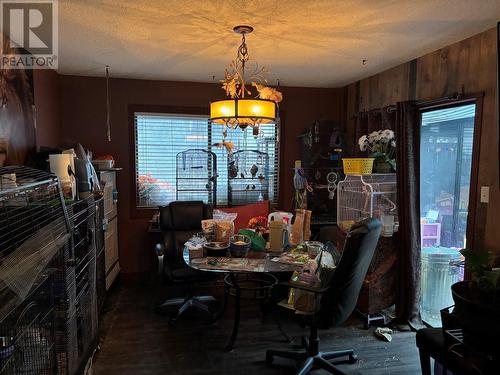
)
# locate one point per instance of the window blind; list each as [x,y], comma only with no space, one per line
[159,138]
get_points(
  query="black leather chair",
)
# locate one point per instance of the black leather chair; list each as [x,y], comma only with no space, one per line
[179,221]
[453,356]
[338,300]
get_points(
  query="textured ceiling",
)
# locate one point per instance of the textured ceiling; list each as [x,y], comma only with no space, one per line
[319,43]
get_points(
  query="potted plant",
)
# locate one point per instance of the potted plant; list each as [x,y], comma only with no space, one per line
[382,146]
[477,302]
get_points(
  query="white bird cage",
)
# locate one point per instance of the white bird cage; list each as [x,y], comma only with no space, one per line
[363,196]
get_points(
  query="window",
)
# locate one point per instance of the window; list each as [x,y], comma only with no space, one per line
[159,138]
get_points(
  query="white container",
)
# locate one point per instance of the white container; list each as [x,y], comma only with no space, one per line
[61,165]
[103,164]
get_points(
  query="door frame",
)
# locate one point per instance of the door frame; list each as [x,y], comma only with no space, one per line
[473,205]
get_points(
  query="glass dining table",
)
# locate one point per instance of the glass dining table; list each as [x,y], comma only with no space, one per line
[250,278]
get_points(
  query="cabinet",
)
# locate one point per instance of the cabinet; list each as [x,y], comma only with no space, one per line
[110,224]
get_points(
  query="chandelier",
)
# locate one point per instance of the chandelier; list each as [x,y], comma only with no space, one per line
[239,111]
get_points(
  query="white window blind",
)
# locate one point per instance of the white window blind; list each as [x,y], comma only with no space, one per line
[161,137]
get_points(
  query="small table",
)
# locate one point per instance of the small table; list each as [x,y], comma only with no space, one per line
[246,278]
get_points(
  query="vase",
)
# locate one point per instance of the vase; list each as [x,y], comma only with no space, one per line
[382,166]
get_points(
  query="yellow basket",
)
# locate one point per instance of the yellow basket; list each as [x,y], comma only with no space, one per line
[358,165]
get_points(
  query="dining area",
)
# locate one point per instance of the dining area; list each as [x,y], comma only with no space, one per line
[272,267]
[239,308]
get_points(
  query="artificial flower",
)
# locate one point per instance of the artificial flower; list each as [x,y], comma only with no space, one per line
[268,93]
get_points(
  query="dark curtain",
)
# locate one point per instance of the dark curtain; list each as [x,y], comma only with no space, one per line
[404,120]
[408,182]
[369,121]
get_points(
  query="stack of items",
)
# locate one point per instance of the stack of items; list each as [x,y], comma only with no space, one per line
[301,227]
[316,274]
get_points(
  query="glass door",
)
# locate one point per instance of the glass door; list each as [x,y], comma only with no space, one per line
[446,139]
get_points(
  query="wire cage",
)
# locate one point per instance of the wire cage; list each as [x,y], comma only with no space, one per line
[34,246]
[363,196]
[321,198]
[196,176]
[248,177]
[77,326]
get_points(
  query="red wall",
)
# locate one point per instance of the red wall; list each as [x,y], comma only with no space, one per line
[82,112]
[46,88]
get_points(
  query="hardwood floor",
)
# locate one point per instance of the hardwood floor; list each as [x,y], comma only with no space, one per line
[135,340]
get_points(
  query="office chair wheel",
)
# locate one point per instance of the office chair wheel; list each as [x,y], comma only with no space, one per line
[353,358]
[269,358]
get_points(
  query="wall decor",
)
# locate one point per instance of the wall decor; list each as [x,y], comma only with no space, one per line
[17,118]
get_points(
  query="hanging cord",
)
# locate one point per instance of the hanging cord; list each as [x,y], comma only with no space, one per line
[108,124]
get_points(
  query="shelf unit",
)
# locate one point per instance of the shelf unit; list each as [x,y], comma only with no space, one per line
[107,179]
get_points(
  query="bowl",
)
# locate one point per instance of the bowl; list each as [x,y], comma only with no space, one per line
[216,249]
[239,245]
[313,248]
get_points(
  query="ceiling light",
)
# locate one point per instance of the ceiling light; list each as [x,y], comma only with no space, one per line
[238,110]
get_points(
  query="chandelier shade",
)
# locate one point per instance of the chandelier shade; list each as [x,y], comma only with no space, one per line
[238,111]
[243,112]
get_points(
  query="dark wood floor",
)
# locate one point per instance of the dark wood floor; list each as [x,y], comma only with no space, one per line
[134,340]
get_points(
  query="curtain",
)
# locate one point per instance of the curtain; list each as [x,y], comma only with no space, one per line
[369,121]
[404,120]
[408,181]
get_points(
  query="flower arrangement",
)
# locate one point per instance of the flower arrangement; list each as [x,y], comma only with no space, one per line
[258,223]
[381,145]
[146,184]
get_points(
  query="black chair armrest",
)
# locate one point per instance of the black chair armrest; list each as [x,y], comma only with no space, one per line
[160,249]
[163,266]
[160,253]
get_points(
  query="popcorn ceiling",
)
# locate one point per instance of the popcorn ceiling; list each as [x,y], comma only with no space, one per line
[318,43]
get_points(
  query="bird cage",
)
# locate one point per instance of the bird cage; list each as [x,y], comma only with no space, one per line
[34,250]
[248,177]
[196,176]
[363,196]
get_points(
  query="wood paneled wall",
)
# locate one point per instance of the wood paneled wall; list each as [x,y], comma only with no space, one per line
[469,65]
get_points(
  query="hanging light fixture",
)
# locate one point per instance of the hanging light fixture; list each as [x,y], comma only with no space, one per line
[238,110]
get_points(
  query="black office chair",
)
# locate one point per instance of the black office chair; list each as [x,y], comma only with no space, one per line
[179,221]
[338,300]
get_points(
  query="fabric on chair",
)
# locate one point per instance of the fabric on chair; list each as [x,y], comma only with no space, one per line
[408,184]
[246,212]
[340,300]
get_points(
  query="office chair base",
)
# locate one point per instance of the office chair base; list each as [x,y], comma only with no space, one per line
[198,302]
[312,358]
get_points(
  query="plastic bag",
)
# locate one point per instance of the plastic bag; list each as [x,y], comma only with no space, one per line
[224,216]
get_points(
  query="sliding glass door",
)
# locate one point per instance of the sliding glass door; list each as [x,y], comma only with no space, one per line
[445,173]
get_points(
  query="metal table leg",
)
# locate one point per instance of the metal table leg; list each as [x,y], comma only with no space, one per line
[236,323]
[222,310]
